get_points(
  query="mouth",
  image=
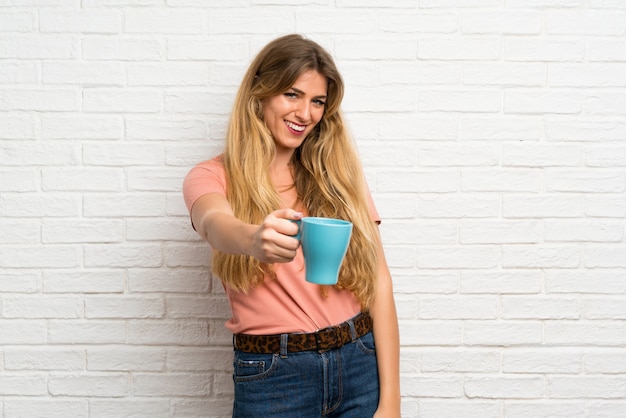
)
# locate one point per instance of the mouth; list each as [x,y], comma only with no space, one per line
[294,127]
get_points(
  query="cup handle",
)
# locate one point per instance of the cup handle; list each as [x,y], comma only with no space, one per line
[299,223]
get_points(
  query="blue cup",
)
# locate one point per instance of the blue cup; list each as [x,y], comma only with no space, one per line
[324,245]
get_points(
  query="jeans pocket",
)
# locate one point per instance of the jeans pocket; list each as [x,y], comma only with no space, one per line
[366,344]
[253,366]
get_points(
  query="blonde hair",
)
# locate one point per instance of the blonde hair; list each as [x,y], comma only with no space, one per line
[327,171]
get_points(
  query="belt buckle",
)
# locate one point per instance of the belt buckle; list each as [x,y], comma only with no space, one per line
[331,336]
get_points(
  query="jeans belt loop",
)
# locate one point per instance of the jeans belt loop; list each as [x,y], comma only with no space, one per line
[284,340]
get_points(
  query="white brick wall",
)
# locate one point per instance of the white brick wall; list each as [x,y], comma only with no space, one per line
[493,136]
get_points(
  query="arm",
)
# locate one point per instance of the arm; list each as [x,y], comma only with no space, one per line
[387,339]
[269,242]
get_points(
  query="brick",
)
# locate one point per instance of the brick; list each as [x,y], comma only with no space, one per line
[429,232]
[118,154]
[466,361]
[132,406]
[432,181]
[502,180]
[507,232]
[581,387]
[208,50]
[605,308]
[591,22]
[101,385]
[583,231]
[498,333]
[448,307]
[83,179]
[73,21]
[170,281]
[19,73]
[31,358]
[429,408]
[486,101]
[17,232]
[39,47]
[504,387]
[530,154]
[23,385]
[130,307]
[19,332]
[512,281]
[500,128]
[424,333]
[190,332]
[433,386]
[537,307]
[115,100]
[167,74]
[587,75]
[20,281]
[127,255]
[37,256]
[115,49]
[197,307]
[85,281]
[458,155]
[551,205]
[542,360]
[596,333]
[90,332]
[588,181]
[605,206]
[82,127]
[585,129]
[33,307]
[541,256]
[457,206]
[560,409]
[153,20]
[124,358]
[46,408]
[543,49]
[83,73]
[542,101]
[474,257]
[200,359]
[80,231]
[24,153]
[50,100]
[506,22]
[458,48]
[595,282]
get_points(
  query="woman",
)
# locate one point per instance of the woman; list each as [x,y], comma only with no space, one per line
[301,350]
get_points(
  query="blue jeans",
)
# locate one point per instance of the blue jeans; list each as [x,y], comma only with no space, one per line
[342,382]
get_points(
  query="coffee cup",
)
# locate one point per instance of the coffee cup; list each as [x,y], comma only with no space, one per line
[324,245]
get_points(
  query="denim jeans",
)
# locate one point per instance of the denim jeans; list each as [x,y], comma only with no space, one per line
[342,382]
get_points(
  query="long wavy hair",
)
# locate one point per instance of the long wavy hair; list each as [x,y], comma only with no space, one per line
[327,172]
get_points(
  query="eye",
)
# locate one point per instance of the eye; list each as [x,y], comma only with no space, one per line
[291,95]
[319,102]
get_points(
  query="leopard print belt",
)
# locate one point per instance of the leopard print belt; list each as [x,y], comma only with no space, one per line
[320,341]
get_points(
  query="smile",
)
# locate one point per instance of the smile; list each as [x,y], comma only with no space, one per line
[295,127]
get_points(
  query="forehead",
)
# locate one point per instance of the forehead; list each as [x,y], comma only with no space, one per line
[312,83]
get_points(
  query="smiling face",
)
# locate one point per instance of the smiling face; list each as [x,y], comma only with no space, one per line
[292,115]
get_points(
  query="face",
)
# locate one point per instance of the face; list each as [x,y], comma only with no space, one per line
[292,115]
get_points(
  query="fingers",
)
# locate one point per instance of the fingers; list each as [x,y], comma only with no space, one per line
[274,241]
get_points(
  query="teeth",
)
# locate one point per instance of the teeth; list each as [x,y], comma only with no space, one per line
[295,127]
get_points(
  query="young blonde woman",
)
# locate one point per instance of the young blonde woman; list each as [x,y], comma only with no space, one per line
[301,349]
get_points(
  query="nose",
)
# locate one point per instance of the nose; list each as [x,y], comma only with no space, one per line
[303,111]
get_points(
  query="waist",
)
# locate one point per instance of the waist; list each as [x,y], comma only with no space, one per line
[321,340]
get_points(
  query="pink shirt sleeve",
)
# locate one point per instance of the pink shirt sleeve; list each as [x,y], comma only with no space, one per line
[206,177]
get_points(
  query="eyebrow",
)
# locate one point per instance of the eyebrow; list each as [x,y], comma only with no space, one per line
[300,92]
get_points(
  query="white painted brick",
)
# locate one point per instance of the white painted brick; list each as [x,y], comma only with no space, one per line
[430,4]
[605,206]
[388,99]
[84,281]
[601,282]
[505,74]
[459,48]
[197,102]
[530,154]
[420,128]
[395,206]
[488,101]
[19,73]
[17,22]
[433,386]
[69,21]
[541,256]
[83,179]
[170,74]
[589,333]
[123,255]
[605,308]
[20,281]
[606,50]
[436,282]
[85,73]
[542,101]
[543,206]
[448,307]
[164,21]
[537,307]
[46,408]
[434,233]
[171,384]
[23,331]
[498,333]
[43,358]
[504,387]
[157,280]
[540,361]
[556,409]
[312,21]
[18,232]
[461,361]
[226,49]
[587,75]
[119,154]
[30,205]
[507,22]
[566,387]
[200,359]
[80,231]
[197,307]
[607,156]
[123,205]
[409,21]
[544,49]
[115,307]
[458,206]
[125,358]
[431,181]
[544,4]
[82,127]
[589,181]
[131,406]
[50,100]
[606,102]
[121,49]
[19,180]
[160,332]
[424,333]
[454,408]
[506,281]
[33,307]
[116,100]
[584,231]
[458,155]
[23,385]
[15,126]
[506,232]
[188,256]
[89,385]
[474,257]
[585,129]
[422,73]
[39,47]
[86,332]
[35,153]
[49,256]
[164,128]
[215,407]
[503,180]
[481,128]
[376,49]
[591,22]
[604,361]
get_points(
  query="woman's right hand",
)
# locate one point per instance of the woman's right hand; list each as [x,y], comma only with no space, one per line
[274,241]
